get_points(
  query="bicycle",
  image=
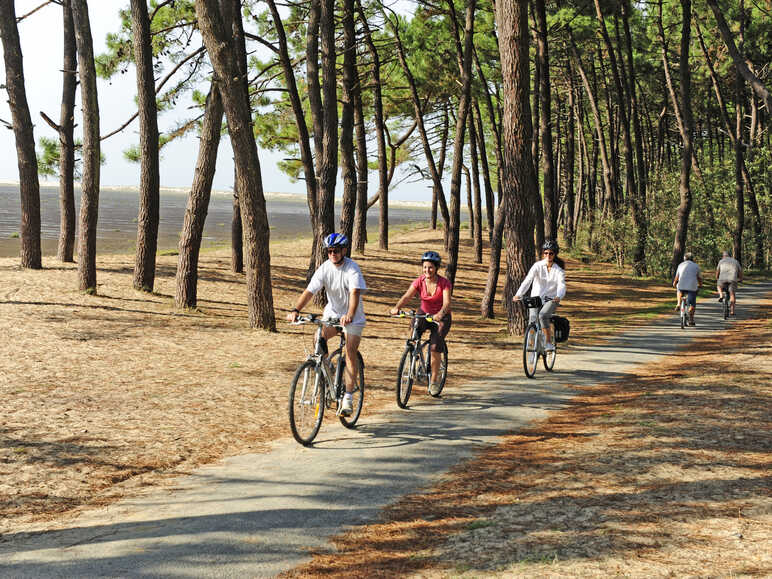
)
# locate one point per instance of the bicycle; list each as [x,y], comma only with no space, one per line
[318,384]
[415,363]
[533,340]
[725,298]
[684,311]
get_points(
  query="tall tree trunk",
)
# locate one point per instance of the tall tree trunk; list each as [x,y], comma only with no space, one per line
[149,182]
[639,202]
[545,124]
[738,170]
[383,193]
[458,144]
[29,185]
[435,171]
[66,248]
[198,202]
[517,171]
[684,187]
[608,180]
[477,205]
[348,167]
[438,194]
[316,109]
[489,295]
[89,199]
[304,141]
[329,166]
[237,230]
[360,214]
[570,231]
[222,54]
[739,61]
[489,202]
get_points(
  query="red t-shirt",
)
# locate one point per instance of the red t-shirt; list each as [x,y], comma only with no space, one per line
[431,304]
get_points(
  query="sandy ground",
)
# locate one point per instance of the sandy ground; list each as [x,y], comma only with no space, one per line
[664,475]
[102,395]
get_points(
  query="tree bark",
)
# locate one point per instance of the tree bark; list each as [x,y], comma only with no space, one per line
[684,187]
[329,165]
[149,182]
[29,185]
[89,200]
[570,230]
[66,249]
[738,170]
[252,201]
[517,171]
[198,202]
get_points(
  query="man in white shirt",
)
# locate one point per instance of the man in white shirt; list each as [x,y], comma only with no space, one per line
[688,279]
[342,280]
[729,273]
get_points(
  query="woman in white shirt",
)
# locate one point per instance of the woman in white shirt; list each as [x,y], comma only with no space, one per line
[547,278]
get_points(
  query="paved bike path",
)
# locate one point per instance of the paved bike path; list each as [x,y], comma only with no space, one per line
[259,514]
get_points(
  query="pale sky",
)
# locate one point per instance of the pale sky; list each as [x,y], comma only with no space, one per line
[41,40]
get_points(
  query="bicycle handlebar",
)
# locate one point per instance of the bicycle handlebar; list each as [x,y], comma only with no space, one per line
[315,319]
[412,314]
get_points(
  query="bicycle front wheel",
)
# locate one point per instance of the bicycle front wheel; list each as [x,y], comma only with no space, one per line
[358,393]
[530,350]
[442,371]
[549,359]
[405,377]
[306,402]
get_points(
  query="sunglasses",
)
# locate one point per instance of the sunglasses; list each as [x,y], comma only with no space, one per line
[334,250]
[549,252]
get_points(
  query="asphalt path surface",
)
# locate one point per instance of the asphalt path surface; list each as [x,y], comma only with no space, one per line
[259,514]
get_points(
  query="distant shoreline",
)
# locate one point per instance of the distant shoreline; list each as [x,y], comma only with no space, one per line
[269,195]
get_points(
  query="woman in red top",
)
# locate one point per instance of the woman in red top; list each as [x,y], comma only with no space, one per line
[434,291]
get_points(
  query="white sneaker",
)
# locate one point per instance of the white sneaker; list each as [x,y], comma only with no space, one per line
[347,408]
[549,348]
[434,389]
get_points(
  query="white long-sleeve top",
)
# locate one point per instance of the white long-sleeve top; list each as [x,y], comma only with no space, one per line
[547,282]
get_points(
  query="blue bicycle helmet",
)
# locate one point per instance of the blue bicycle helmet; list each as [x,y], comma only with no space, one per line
[432,256]
[552,245]
[335,240]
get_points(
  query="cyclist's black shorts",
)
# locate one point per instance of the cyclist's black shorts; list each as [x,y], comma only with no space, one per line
[438,330]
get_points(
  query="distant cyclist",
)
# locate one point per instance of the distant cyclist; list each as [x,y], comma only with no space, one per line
[547,278]
[342,280]
[434,291]
[729,273]
[688,279]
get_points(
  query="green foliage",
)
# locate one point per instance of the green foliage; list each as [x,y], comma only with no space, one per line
[48,157]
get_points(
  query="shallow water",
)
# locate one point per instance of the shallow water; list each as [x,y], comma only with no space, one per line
[117,225]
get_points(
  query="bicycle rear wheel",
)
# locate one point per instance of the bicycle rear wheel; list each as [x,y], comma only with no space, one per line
[306,402]
[405,377]
[358,394]
[683,317]
[530,350]
[726,305]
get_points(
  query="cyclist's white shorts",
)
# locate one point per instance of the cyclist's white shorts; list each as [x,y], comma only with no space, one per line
[354,329]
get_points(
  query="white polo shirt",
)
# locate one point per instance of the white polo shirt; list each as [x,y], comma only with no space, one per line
[338,283]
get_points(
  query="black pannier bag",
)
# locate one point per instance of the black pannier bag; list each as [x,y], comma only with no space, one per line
[562,328]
